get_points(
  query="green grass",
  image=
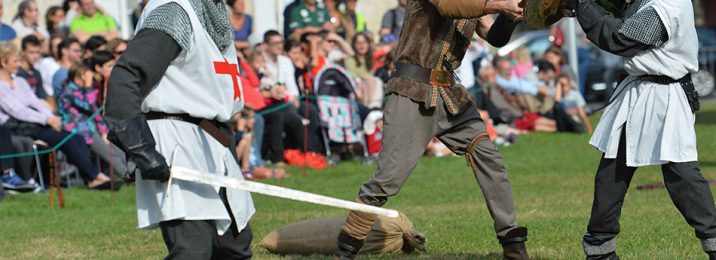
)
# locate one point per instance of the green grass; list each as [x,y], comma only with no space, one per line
[551,174]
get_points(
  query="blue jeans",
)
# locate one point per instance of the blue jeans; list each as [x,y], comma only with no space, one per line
[75,149]
[255,159]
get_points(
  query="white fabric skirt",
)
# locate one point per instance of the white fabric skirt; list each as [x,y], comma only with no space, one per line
[658,120]
[188,200]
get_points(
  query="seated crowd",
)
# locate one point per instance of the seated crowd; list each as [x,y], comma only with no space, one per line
[53,80]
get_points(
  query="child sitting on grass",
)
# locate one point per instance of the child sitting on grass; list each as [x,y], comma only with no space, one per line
[570,112]
[244,138]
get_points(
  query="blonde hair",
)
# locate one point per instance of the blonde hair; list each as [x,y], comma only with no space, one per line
[522,55]
[7,50]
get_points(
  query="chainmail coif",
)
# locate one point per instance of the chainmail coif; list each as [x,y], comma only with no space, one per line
[174,21]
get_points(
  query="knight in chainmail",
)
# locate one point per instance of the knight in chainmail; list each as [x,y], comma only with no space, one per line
[167,102]
[650,119]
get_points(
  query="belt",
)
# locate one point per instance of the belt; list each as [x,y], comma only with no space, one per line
[666,79]
[209,126]
[435,77]
[686,83]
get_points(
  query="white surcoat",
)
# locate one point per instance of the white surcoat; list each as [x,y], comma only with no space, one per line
[196,83]
[657,118]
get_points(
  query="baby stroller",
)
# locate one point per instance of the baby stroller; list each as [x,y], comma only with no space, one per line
[338,107]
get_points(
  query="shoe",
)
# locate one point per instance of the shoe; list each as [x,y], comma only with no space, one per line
[513,244]
[11,181]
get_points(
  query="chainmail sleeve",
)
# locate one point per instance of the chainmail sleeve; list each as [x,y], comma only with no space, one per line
[171,19]
[645,27]
[624,37]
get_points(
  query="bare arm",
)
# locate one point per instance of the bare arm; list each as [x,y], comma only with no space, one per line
[585,119]
[465,9]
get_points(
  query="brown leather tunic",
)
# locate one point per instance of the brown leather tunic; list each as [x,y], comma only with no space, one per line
[432,41]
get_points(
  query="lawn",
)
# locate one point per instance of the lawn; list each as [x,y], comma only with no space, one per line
[551,174]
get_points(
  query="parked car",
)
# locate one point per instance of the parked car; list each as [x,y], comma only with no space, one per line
[704,79]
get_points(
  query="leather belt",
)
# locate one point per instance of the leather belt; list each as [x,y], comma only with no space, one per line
[435,77]
[209,126]
[686,83]
[660,79]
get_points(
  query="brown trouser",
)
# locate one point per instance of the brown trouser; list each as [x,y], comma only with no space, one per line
[409,126]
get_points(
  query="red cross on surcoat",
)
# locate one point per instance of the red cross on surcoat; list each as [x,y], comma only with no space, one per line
[224,67]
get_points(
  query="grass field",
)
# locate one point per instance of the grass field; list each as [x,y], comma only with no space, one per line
[552,180]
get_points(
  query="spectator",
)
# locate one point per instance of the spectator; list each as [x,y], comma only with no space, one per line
[356,19]
[27,116]
[339,20]
[525,91]
[244,143]
[48,65]
[392,23]
[10,179]
[466,71]
[334,47]
[279,67]
[570,112]
[77,103]
[102,63]
[242,24]
[54,19]
[310,43]
[25,21]
[137,12]
[385,71]
[94,43]
[72,9]
[308,17]
[92,22]
[555,56]
[361,64]
[117,47]
[69,53]
[7,33]
[287,18]
[524,67]
[30,55]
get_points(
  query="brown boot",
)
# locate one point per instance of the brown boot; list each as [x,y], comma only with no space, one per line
[513,244]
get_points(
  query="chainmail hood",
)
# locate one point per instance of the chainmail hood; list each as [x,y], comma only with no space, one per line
[172,19]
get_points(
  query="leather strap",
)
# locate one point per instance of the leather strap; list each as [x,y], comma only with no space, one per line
[435,77]
[209,126]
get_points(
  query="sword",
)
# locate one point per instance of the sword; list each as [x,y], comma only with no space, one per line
[186,174]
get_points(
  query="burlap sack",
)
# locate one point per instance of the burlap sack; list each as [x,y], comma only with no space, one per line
[319,236]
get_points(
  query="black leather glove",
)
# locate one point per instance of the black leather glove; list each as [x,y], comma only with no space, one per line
[135,138]
[501,31]
[569,8]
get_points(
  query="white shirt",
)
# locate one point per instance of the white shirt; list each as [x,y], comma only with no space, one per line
[47,67]
[23,30]
[658,120]
[466,72]
[282,71]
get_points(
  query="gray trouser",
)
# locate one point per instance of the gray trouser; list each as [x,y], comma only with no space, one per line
[689,191]
[409,126]
[117,158]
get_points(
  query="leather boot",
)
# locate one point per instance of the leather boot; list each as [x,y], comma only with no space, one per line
[348,247]
[513,244]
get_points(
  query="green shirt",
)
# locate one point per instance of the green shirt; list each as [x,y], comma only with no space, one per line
[92,25]
[302,17]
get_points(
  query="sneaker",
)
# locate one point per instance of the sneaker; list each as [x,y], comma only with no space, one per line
[11,181]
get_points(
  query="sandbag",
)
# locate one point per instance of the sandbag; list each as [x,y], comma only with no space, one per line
[319,236]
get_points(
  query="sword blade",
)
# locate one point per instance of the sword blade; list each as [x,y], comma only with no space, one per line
[186,174]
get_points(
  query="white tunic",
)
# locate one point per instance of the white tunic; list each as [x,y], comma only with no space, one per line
[192,85]
[658,120]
